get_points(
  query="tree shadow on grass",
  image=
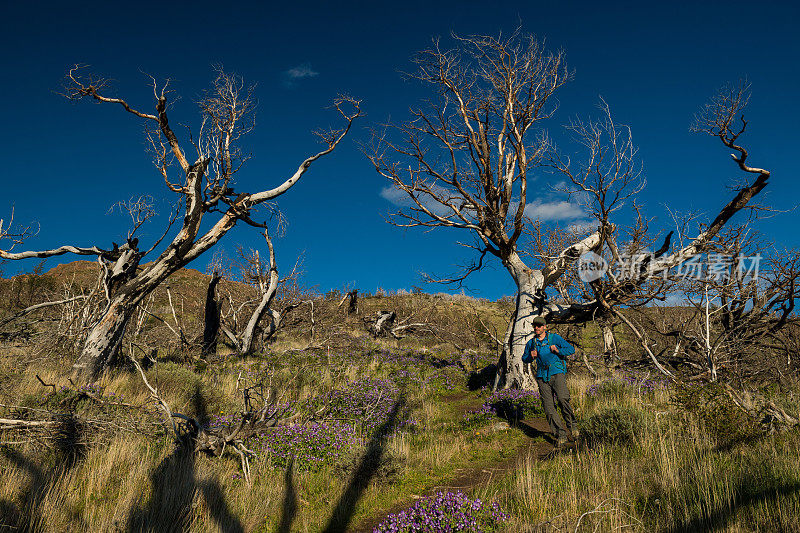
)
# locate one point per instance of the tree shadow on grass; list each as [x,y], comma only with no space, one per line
[717,519]
[68,437]
[214,496]
[199,406]
[370,462]
[26,516]
[171,502]
[174,487]
[289,500]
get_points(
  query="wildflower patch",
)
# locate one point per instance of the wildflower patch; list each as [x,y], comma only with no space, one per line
[445,512]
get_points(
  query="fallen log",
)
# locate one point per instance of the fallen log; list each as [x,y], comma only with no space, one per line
[12,423]
[380,324]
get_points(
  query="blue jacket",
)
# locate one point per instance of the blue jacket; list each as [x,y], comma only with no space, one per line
[548,363]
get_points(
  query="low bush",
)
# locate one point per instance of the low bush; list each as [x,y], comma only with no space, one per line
[615,388]
[366,402]
[721,418]
[615,425]
[515,404]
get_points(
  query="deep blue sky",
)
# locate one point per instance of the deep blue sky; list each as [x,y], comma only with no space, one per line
[655,64]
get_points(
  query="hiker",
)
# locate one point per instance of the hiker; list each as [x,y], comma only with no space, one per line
[549,350]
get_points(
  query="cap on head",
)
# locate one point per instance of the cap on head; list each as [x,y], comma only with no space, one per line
[539,321]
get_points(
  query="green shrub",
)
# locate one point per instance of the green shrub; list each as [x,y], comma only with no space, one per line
[615,425]
[722,419]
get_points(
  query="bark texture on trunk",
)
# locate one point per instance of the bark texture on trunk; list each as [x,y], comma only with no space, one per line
[380,324]
[529,305]
[609,343]
[104,339]
[249,334]
[268,289]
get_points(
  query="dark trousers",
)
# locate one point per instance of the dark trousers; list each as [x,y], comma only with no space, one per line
[552,392]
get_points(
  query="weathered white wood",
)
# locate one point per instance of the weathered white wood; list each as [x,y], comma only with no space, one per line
[609,342]
[381,323]
[12,423]
[398,331]
[464,163]
[205,188]
[531,303]
[269,290]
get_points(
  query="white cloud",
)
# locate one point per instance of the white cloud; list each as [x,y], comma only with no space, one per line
[673,300]
[554,211]
[395,196]
[302,71]
[583,226]
[401,199]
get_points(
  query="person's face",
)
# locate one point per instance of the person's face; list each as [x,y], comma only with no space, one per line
[539,329]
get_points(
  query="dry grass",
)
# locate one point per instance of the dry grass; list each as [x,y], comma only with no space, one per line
[131,481]
[673,477]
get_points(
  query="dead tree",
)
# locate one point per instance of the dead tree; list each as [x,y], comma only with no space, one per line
[399,324]
[352,302]
[381,323]
[270,289]
[609,342]
[738,311]
[206,186]
[648,275]
[39,306]
[67,308]
[465,162]
[262,410]
[211,316]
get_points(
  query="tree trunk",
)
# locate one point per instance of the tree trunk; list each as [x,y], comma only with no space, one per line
[712,367]
[212,317]
[268,291]
[610,353]
[352,306]
[529,304]
[352,299]
[103,341]
[275,323]
[381,323]
[249,332]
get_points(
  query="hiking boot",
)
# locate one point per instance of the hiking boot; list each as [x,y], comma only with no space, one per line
[576,434]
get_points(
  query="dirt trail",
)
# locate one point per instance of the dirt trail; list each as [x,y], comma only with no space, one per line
[467,479]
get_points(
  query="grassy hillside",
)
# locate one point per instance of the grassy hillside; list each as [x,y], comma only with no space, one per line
[379,433]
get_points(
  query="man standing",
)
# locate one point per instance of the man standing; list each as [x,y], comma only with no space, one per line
[549,350]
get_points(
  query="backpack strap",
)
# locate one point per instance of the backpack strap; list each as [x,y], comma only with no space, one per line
[549,342]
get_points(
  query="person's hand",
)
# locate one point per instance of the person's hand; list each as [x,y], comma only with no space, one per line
[554,349]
